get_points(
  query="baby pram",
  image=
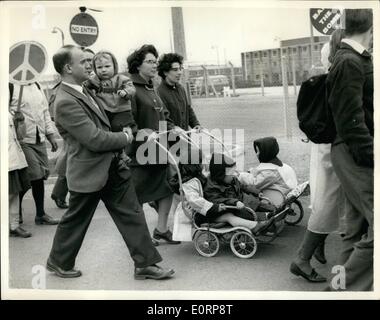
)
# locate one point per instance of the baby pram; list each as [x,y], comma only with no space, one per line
[208,236]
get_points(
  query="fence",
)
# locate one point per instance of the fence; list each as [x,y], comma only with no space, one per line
[278,82]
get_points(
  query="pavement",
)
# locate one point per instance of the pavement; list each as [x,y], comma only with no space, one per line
[106,264]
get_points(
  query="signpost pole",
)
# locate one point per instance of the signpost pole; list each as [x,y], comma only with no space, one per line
[20,98]
[311,46]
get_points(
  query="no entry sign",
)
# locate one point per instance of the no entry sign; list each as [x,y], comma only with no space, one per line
[325,20]
[27,61]
[84,29]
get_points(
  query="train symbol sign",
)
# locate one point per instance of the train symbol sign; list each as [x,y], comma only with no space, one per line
[27,61]
[84,29]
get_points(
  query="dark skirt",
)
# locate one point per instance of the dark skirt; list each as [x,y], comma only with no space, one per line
[18,181]
[151,182]
[37,159]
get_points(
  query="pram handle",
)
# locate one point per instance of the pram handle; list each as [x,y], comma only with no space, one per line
[175,165]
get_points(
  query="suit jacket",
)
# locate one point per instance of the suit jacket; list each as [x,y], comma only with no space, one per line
[90,144]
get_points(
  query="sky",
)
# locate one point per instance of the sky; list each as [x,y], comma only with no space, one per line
[213,32]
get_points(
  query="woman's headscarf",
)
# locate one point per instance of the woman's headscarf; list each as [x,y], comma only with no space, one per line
[267,150]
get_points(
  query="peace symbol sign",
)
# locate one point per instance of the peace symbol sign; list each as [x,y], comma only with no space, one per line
[27,61]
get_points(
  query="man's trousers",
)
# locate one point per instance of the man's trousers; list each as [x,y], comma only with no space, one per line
[121,202]
[357,245]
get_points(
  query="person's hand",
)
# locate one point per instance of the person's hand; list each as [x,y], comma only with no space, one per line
[129,134]
[178,130]
[221,207]
[240,205]
[122,93]
[54,144]
[153,136]
[198,128]
[128,130]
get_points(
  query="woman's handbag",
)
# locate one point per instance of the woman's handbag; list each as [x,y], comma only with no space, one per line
[20,126]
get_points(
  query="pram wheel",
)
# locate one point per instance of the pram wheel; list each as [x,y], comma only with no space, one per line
[243,244]
[206,243]
[294,214]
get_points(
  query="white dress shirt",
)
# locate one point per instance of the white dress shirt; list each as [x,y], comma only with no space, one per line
[354,44]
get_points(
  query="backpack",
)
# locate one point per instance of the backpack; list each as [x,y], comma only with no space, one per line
[313,112]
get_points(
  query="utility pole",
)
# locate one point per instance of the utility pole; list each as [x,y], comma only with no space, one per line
[59,30]
[178,32]
[180,44]
[171,40]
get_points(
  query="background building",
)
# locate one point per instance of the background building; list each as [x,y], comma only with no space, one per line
[265,65]
[196,71]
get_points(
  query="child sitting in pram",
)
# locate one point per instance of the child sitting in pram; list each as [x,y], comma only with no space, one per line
[193,183]
[271,172]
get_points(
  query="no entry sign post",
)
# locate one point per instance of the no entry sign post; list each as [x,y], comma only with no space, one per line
[84,29]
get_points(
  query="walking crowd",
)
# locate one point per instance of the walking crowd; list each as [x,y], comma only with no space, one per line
[106,118]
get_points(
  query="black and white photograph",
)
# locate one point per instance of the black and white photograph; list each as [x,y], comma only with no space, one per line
[189,150]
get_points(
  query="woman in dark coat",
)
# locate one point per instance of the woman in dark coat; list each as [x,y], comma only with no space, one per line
[151,180]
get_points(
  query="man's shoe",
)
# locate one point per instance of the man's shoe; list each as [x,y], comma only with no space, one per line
[46,219]
[163,237]
[20,232]
[60,203]
[50,266]
[314,276]
[153,272]
[262,226]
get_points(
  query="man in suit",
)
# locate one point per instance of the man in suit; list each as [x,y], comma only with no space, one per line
[60,189]
[94,173]
[350,89]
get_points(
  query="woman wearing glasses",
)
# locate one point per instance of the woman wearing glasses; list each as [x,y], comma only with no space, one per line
[151,180]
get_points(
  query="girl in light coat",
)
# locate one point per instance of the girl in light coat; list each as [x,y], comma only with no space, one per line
[271,172]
